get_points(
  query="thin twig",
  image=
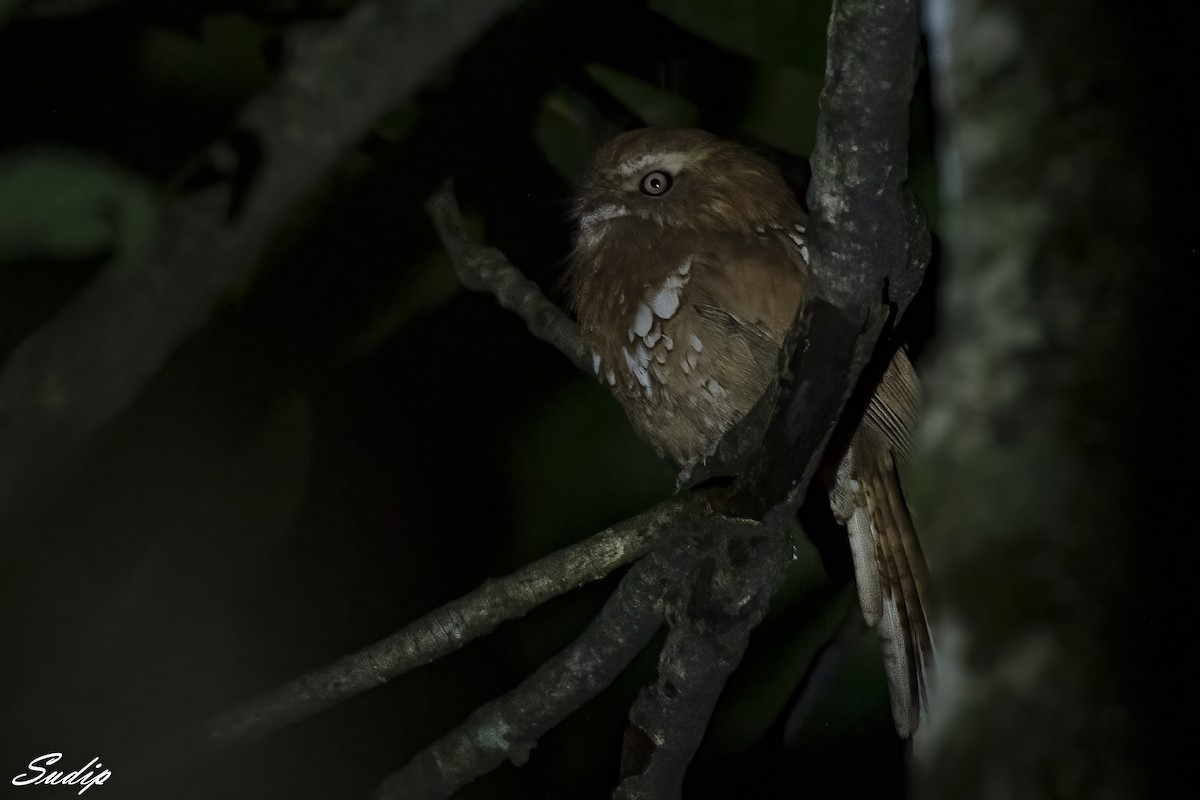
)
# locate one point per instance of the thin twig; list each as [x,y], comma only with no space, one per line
[509,727]
[452,626]
[486,269]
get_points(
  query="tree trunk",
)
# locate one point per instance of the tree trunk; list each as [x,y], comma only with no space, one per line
[1037,529]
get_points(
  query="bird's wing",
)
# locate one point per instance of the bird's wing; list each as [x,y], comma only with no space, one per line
[888,564]
[753,283]
[740,304]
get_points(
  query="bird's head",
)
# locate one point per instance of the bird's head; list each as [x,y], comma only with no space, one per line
[680,179]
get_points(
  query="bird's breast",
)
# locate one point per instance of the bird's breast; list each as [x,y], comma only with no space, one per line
[684,367]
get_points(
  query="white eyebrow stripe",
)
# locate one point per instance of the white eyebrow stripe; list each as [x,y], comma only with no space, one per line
[603,213]
[668,162]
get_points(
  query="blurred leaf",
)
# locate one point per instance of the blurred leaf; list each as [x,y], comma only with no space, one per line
[429,282]
[568,130]
[782,108]
[8,9]
[653,105]
[225,59]
[68,205]
[580,468]
[771,31]
[396,125]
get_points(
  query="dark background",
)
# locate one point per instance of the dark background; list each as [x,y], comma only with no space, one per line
[352,439]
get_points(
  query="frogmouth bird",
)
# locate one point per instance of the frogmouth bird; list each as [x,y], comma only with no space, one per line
[689,267]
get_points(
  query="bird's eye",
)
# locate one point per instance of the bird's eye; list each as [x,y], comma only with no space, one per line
[656,183]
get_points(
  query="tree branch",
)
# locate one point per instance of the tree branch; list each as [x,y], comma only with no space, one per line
[509,727]
[867,239]
[869,244]
[724,599]
[486,269]
[452,626]
[71,377]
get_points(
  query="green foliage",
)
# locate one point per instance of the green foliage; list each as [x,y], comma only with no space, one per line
[64,205]
[579,468]
[568,129]
[787,41]
[224,58]
[653,105]
[428,283]
[772,31]
[782,108]
[8,8]
[398,124]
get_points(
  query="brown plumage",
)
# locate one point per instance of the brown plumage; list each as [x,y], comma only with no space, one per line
[689,268]
[867,499]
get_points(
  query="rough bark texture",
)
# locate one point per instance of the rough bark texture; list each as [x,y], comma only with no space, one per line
[870,246]
[1029,463]
[509,727]
[738,567]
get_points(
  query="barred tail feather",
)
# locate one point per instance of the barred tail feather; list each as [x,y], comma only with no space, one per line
[888,564]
